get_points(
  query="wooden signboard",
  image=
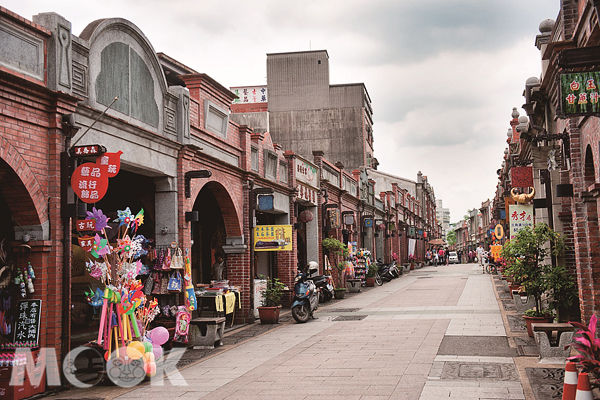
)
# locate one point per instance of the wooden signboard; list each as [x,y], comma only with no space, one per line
[27,328]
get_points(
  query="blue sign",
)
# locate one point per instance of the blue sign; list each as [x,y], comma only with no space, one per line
[369,222]
[265,203]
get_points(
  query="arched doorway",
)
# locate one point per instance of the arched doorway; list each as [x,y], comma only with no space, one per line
[20,227]
[215,215]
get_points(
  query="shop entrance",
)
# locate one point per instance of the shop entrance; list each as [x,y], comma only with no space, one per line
[127,189]
[208,235]
[16,210]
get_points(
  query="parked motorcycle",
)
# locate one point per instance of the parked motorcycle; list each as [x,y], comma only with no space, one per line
[383,270]
[394,271]
[306,296]
[324,286]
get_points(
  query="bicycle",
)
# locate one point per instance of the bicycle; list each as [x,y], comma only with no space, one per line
[487,267]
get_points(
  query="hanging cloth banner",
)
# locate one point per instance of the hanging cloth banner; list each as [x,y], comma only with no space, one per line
[411,247]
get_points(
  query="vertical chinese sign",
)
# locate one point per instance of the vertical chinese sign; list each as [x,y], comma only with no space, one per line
[519,216]
[27,328]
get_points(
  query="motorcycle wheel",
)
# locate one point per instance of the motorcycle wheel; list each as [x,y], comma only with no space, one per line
[378,279]
[301,313]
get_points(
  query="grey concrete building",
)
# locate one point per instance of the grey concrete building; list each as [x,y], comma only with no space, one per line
[443,217]
[307,113]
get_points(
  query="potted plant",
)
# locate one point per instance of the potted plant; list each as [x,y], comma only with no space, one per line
[339,292]
[411,259]
[527,254]
[338,252]
[271,301]
[588,347]
[371,272]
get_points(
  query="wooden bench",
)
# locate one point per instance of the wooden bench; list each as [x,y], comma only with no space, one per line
[206,333]
[544,338]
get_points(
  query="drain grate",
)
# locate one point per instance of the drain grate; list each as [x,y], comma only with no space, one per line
[425,277]
[350,318]
[341,310]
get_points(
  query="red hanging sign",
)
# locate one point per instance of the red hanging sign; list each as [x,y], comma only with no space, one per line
[90,180]
[521,176]
[86,242]
[86,225]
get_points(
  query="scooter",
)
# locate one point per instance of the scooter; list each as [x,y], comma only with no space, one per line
[324,286]
[384,271]
[306,296]
[394,271]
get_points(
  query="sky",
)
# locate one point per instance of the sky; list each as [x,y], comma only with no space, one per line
[443,75]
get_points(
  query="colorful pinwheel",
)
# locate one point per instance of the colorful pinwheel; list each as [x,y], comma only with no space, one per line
[125,246]
[138,220]
[100,247]
[124,217]
[101,219]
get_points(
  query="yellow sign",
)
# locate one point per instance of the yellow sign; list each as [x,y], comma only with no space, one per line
[496,250]
[499,231]
[273,238]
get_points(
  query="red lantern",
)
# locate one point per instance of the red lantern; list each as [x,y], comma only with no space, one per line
[381,227]
[305,216]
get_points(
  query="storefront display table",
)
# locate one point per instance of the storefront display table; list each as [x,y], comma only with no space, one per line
[206,333]
[221,305]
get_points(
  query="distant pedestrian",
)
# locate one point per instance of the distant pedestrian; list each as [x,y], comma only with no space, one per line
[479,252]
[436,258]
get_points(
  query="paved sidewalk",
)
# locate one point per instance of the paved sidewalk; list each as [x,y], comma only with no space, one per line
[412,338]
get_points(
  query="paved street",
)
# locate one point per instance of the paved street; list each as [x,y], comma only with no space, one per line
[434,333]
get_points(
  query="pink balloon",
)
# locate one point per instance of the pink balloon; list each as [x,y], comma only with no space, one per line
[159,335]
[158,351]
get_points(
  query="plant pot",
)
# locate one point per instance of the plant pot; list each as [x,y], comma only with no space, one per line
[533,320]
[339,293]
[353,285]
[370,282]
[269,315]
[412,266]
[513,287]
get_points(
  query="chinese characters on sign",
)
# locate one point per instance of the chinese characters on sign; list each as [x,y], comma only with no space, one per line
[90,180]
[579,93]
[27,328]
[334,218]
[86,242]
[83,151]
[86,225]
[250,94]
[273,238]
[496,251]
[520,216]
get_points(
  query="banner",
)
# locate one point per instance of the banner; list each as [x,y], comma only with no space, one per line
[273,238]
[519,216]
[411,247]
[496,251]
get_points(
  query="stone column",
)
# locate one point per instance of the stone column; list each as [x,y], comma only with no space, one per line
[165,211]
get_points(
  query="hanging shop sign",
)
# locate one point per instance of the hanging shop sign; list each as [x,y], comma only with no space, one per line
[86,242]
[496,251]
[520,216]
[348,217]
[579,93]
[306,172]
[499,231]
[521,177]
[86,225]
[86,151]
[273,238]
[368,222]
[334,218]
[265,202]
[27,328]
[90,180]
[411,231]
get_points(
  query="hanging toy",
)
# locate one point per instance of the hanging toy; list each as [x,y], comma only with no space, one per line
[30,287]
[22,283]
[30,270]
